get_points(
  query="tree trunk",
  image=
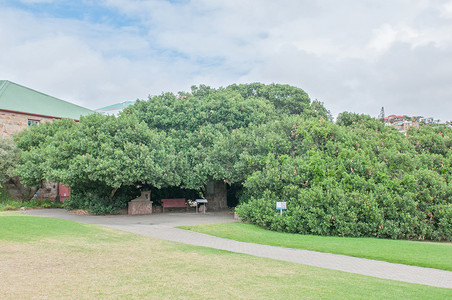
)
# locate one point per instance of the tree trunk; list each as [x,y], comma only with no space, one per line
[112,194]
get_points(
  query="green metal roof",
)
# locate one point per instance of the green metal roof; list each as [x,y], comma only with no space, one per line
[116,106]
[16,97]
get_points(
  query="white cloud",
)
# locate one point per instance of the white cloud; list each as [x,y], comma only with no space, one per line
[446,10]
[355,56]
[383,38]
[387,35]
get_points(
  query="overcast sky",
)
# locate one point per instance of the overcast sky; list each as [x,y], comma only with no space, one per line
[353,55]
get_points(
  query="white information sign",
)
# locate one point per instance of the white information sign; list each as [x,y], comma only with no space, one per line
[281,205]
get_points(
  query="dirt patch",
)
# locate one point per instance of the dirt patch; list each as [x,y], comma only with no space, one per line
[80,212]
[84,212]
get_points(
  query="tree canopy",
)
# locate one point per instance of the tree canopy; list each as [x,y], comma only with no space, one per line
[200,122]
[355,177]
[355,180]
[9,156]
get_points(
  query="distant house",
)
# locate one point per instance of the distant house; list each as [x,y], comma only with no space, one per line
[404,126]
[401,122]
[394,119]
[429,120]
[21,106]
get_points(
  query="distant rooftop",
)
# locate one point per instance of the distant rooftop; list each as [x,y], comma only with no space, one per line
[18,98]
[116,106]
[114,109]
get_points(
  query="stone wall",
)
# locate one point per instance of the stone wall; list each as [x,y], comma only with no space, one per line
[216,196]
[12,123]
[139,208]
[17,190]
[48,191]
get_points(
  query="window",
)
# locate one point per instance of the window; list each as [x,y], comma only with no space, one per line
[32,122]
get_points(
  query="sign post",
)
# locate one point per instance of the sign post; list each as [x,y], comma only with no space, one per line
[281,206]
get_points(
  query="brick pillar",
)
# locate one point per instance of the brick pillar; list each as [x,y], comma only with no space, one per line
[141,205]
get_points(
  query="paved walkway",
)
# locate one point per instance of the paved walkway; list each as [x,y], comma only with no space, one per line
[162,226]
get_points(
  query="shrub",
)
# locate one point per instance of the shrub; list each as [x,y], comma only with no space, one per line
[356,180]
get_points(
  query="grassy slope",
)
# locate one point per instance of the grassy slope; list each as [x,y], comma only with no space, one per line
[7,203]
[424,254]
[49,258]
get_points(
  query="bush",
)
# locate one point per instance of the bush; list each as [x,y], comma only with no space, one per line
[95,199]
[356,180]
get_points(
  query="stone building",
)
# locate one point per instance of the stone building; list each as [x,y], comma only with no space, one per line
[21,107]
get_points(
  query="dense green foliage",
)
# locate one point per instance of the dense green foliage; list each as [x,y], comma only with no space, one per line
[353,178]
[99,157]
[168,140]
[9,156]
[199,124]
[357,180]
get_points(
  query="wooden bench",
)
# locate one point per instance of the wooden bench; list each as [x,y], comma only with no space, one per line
[175,202]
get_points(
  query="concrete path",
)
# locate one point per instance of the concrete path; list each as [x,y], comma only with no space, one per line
[161,226]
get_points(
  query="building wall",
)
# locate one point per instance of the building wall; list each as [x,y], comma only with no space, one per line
[17,190]
[12,123]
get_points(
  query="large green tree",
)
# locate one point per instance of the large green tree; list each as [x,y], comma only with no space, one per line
[203,123]
[353,178]
[9,156]
[98,157]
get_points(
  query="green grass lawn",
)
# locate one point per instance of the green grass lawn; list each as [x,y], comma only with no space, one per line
[52,259]
[416,253]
